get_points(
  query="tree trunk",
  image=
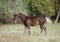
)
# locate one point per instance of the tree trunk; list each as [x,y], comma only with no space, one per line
[57,18]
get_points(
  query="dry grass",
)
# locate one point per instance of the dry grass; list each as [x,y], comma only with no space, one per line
[15,33]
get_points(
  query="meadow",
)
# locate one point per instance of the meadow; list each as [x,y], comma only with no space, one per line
[15,33]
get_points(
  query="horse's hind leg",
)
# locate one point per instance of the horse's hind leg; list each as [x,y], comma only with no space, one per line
[41,27]
[45,29]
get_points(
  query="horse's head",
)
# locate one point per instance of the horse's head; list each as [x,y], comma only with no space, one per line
[18,17]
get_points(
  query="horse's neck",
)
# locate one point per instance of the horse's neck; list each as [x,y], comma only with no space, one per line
[23,18]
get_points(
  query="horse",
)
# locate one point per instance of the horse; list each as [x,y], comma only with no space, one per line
[31,21]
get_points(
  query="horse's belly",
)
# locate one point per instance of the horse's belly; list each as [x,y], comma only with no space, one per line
[34,23]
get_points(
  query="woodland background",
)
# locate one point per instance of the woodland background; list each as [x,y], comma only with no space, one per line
[51,8]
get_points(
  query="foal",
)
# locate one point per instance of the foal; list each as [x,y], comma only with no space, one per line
[31,21]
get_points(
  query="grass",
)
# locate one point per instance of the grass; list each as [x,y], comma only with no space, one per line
[15,33]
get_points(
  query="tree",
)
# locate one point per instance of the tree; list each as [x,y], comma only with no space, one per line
[57,9]
[43,6]
[10,7]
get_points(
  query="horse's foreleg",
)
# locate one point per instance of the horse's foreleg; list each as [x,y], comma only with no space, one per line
[29,30]
[25,29]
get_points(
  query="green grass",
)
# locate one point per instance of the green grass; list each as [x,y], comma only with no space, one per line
[15,33]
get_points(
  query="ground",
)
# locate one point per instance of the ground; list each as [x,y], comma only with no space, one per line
[15,33]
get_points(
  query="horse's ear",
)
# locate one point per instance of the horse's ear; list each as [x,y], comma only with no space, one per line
[14,16]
